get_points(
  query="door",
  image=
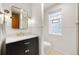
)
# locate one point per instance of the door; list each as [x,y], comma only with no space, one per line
[15,21]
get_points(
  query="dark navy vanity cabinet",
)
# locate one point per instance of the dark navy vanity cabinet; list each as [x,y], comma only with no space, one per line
[25,47]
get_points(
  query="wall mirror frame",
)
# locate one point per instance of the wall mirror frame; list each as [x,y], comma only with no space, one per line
[19,18]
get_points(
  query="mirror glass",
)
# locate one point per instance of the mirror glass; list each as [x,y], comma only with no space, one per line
[24,20]
[1,18]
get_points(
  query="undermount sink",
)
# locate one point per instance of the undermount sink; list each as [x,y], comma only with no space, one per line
[22,34]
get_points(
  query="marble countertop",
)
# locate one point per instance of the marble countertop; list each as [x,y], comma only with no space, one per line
[14,38]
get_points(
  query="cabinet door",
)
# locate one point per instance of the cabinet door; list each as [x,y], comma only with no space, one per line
[32,46]
[15,49]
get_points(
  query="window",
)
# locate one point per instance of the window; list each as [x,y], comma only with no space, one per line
[55,25]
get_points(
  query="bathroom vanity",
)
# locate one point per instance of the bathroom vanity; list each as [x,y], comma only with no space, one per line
[22,45]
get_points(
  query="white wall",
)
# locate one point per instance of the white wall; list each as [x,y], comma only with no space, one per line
[0,6]
[25,6]
[36,17]
[78,28]
[36,25]
[0,33]
[67,43]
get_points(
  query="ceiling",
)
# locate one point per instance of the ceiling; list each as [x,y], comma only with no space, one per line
[46,5]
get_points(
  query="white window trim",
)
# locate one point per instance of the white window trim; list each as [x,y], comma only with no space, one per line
[53,33]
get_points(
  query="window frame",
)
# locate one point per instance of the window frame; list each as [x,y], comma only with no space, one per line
[60,22]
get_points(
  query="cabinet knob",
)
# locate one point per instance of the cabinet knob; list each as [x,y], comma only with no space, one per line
[26,51]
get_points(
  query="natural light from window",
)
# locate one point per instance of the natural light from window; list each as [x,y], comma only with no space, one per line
[55,22]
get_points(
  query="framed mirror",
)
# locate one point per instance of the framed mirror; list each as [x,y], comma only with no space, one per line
[19,18]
